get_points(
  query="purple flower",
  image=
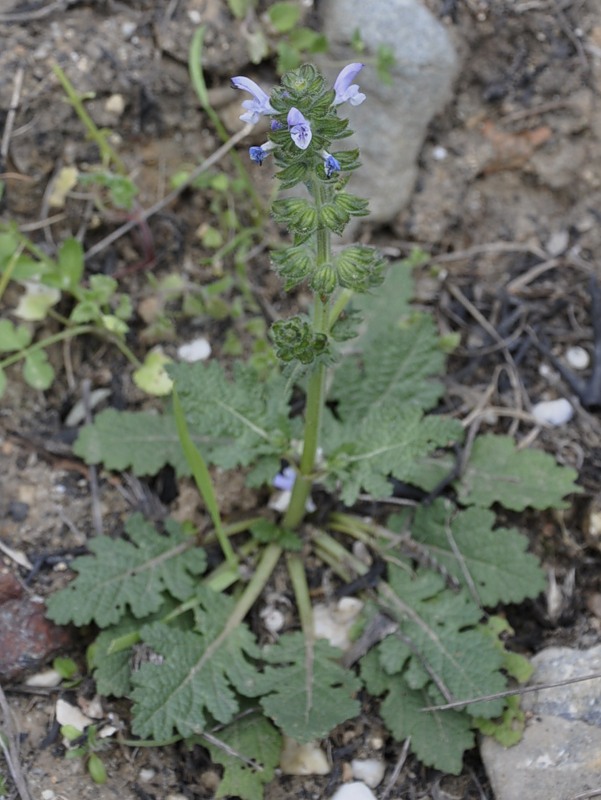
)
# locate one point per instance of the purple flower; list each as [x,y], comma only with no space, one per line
[284,480]
[259,154]
[330,164]
[256,107]
[300,129]
[345,88]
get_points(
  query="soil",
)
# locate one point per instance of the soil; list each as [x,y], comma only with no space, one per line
[508,204]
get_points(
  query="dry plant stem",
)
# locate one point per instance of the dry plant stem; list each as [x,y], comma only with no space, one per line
[12,111]
[537,687]
[586,795]
[93,472]
[160,204]
[39,13]
[9,742]
[397,769]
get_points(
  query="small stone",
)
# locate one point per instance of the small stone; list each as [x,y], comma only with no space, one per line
[46,679]
[439,153]
[577,357]
[334,622]
[27,638]
[273,619]
[353,791]
[115,104]
[18,511]
[48,794]
[377,742]
[67,714]
[197,350]
[558,243]
[553,412]
[303,759]
[128,29]
[77,415]
[558,756]
[146,774]
[10,588]
[369,770]
[210,780]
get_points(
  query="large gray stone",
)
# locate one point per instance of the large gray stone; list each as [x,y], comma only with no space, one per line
[559,755]
[391,124]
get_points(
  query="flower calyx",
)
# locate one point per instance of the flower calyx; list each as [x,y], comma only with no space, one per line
[295,340]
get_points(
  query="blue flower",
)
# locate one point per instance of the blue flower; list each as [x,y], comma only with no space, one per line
[256,107]
[285,479]
[345,88]
[300,129]
[330,164]
[259,154]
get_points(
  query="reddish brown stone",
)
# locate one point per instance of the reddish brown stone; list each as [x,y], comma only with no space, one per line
[27,638]
[10,588]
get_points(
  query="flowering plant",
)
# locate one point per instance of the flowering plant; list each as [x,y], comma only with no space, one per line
[304,126]
[361,427]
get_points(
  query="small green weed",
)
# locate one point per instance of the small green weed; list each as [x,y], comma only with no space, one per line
[86,745]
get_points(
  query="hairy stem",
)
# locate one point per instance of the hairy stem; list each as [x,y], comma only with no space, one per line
[315,389]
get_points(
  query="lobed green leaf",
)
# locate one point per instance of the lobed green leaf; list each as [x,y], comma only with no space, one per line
[132,575]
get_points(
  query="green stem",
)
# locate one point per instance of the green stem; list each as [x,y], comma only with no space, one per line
[49,340]
[337,556]
[298,578]
[96,135]
[203,481]
[315,390]
[200,87]
[7,274]
[69,333]
[339,305]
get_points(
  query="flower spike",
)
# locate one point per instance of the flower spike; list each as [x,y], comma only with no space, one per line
[300,129]
[258,106]
[345,88]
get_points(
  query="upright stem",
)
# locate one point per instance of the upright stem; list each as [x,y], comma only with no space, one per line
[315,388]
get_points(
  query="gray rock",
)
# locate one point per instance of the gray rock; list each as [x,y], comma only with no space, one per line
[558,757]
[391,124]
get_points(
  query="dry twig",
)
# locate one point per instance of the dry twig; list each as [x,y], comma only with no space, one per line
[9,742]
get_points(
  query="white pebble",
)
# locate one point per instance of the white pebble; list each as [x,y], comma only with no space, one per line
[303,759]
[558,243]
[577,357]
[47,679]
[146,774]
[197,350]
[48,794]
[439,153]
[369,770]
[553,412]
[115,104]
[334,622]
[66,714]
[273,619]
[128,29]
[353,791]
